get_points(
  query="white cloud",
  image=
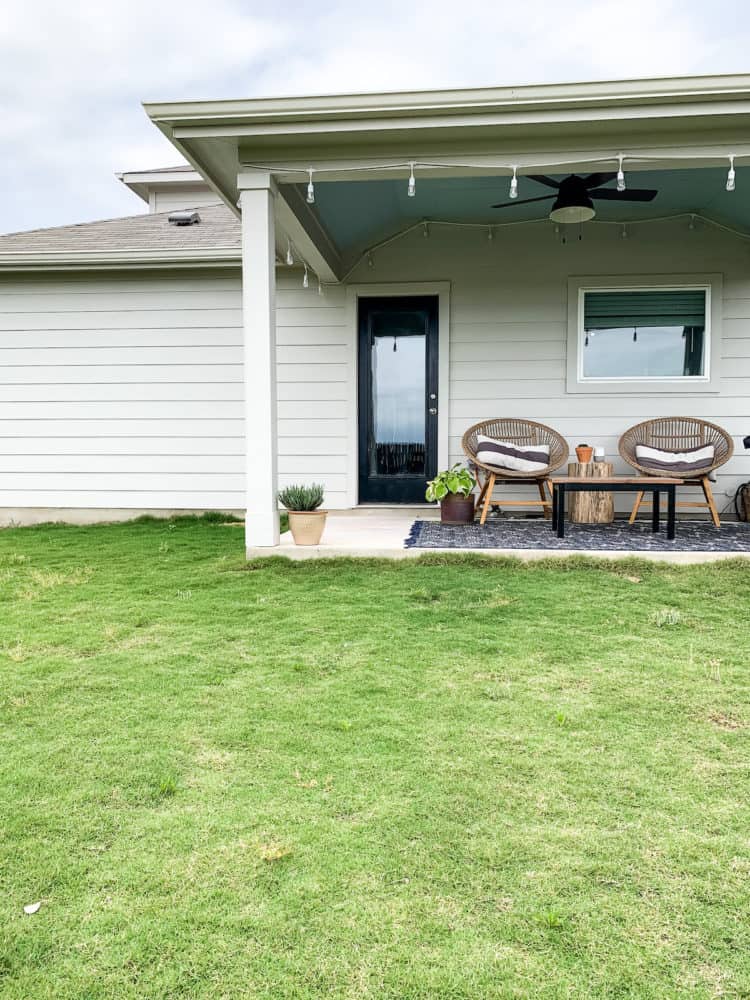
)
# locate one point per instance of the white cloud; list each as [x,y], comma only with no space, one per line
[72,75]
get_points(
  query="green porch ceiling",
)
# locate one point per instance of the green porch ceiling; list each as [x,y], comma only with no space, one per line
[358,214]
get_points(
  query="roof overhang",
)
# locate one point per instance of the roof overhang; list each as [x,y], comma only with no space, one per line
[354,136]
[140,182]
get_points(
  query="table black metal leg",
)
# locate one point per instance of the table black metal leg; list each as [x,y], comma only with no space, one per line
[561,512]
[655,510]
[671,510]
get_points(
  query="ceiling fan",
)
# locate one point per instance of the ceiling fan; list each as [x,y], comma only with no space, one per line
[575,196]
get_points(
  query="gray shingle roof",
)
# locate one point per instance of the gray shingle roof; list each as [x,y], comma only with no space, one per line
[219,229]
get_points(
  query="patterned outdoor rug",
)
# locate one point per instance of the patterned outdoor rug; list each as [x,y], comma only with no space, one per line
[692,536]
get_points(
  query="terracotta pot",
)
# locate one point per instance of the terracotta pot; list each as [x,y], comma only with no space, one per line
[307,526]
[584,453]
[456,509]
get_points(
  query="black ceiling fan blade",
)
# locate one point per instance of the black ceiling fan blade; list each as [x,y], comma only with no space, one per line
[631,194]
[524,201]
[543,179]
[596,180]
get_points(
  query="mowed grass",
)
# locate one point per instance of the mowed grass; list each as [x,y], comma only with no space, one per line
[445,778]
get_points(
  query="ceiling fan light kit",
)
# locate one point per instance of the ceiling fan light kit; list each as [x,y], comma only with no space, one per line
[575,196]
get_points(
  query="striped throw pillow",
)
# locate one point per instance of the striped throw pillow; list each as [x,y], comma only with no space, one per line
[671,463]
[506,455]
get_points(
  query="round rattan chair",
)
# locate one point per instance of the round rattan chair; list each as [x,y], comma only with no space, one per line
[679,434]
[524,433]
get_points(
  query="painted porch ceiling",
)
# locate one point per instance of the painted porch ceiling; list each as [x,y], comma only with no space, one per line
[358,214]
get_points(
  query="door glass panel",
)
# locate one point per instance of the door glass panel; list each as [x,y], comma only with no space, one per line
[398,375]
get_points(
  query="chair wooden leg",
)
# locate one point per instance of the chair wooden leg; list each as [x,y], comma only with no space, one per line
[708,494]
[489,487]
[482,491]
[542,493]
[636,506]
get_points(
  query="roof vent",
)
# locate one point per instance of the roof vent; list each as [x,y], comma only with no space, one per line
[186,218]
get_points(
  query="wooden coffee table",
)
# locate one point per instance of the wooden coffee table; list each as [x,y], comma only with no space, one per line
[615,484]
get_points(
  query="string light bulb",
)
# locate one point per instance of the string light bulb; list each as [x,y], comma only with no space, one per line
[620,173]
[490,234]
[691,224]
[513,193]
[310,187]
[305,278]
[412,188]
[731,175]
[320,287]
[425,229]
[289,254]
[624,232]
[370,261]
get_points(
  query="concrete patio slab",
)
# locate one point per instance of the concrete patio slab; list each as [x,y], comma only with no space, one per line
[380,532]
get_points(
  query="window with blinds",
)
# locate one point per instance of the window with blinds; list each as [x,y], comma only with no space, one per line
[641,334]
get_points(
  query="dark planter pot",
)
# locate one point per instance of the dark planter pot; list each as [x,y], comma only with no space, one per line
[457,510]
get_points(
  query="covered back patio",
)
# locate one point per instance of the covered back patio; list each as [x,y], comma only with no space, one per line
[416,263]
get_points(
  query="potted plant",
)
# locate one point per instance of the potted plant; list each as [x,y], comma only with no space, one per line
[306,521]
[452,489]
[584,453]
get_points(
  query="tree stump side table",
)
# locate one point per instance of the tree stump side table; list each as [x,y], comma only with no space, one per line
[591,508]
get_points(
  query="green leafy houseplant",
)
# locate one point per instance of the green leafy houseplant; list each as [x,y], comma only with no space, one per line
[306,522]
[457,481]
[452,489]
[302,498]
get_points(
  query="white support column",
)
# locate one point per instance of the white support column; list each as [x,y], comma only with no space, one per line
[259,339]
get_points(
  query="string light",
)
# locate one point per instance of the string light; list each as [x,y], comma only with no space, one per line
[425,229]
[490,234]
[289,254]
[624,233]
[310,187]
[305,279]
[731,174]
[620,173]
[691,224]
[513,193]
[412,189]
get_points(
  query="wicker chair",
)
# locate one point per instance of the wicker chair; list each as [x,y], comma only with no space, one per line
[676,434]
[521,432]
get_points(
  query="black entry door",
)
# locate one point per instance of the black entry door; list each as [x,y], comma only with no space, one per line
[398,404]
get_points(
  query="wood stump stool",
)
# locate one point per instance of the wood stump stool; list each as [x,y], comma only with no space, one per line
[591,508]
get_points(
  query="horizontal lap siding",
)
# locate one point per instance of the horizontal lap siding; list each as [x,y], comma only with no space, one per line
[313,371]
[122,392]
[509,327]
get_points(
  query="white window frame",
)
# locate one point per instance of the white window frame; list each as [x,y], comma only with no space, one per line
[684,384]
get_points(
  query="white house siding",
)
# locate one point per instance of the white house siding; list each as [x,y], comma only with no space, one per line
[121,391]
[126,392]
[166,199]
[315,377]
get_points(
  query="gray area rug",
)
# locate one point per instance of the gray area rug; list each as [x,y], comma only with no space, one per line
[692,536]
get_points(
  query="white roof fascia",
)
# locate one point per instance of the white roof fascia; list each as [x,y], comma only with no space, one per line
[72,260]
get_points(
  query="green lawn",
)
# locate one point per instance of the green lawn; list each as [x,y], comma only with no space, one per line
[451,778]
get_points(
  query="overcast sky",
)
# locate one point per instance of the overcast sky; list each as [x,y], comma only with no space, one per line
[72,75]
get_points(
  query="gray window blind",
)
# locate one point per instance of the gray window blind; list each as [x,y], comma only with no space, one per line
[611,310]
